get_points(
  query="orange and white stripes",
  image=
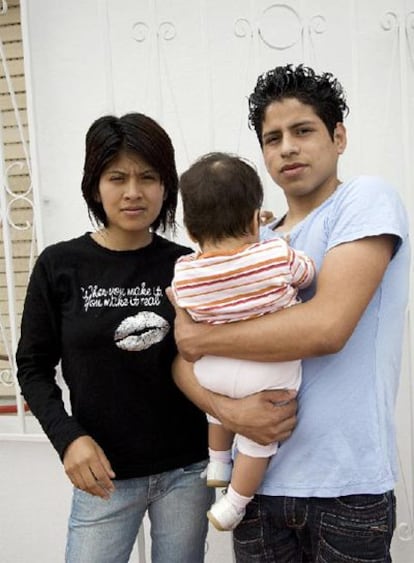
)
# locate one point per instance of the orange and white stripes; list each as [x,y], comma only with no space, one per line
[220,287]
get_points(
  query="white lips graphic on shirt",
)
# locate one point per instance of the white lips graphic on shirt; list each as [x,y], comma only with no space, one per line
[141,331]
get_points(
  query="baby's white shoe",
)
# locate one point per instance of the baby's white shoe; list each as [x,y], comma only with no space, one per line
[218,474]
[224,516]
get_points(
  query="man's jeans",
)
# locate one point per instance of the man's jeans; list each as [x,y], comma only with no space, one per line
[104,531]
[349,529]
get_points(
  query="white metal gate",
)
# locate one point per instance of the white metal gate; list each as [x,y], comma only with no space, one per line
[18,234]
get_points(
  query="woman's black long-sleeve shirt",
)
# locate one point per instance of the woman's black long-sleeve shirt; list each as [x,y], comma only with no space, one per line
[105,315]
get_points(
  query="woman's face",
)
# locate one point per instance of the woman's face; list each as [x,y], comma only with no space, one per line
[132,195]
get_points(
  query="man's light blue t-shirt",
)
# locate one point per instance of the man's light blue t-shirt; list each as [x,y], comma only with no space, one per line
[344,442]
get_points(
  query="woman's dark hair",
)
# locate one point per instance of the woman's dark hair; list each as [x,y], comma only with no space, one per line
[135,134]
[322,92]
[220,193]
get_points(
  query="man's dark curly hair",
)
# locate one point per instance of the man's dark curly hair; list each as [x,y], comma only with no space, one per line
[322,92]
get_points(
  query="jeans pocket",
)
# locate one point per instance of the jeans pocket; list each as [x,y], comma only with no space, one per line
[367,513]
[363,502]
[197,467]
[328,554]
[248,537]
[359,528]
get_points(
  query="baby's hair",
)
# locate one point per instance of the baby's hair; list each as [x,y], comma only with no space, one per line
[220,194]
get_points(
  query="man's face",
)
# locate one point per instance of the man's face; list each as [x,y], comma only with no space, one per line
[298,151]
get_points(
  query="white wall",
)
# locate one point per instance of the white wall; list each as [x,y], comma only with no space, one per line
[34,503]
[193,68]
[191,64]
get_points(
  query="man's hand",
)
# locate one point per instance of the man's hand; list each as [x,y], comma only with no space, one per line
[266,217]
[265,417]
[187,333]
[88,468]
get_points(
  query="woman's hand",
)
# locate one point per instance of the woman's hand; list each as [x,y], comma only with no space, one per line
[265,417]
[88,468]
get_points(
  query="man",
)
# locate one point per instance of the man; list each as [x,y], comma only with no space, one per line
[328,493]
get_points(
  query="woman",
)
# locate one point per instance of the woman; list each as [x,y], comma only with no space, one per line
[133,443]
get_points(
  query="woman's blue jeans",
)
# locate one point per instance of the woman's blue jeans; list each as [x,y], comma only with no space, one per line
[355,528]
[104,531]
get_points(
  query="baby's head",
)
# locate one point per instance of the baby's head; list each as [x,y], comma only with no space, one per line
[222,195]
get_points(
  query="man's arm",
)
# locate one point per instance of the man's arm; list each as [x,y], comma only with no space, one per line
[265,417]
[349,277]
